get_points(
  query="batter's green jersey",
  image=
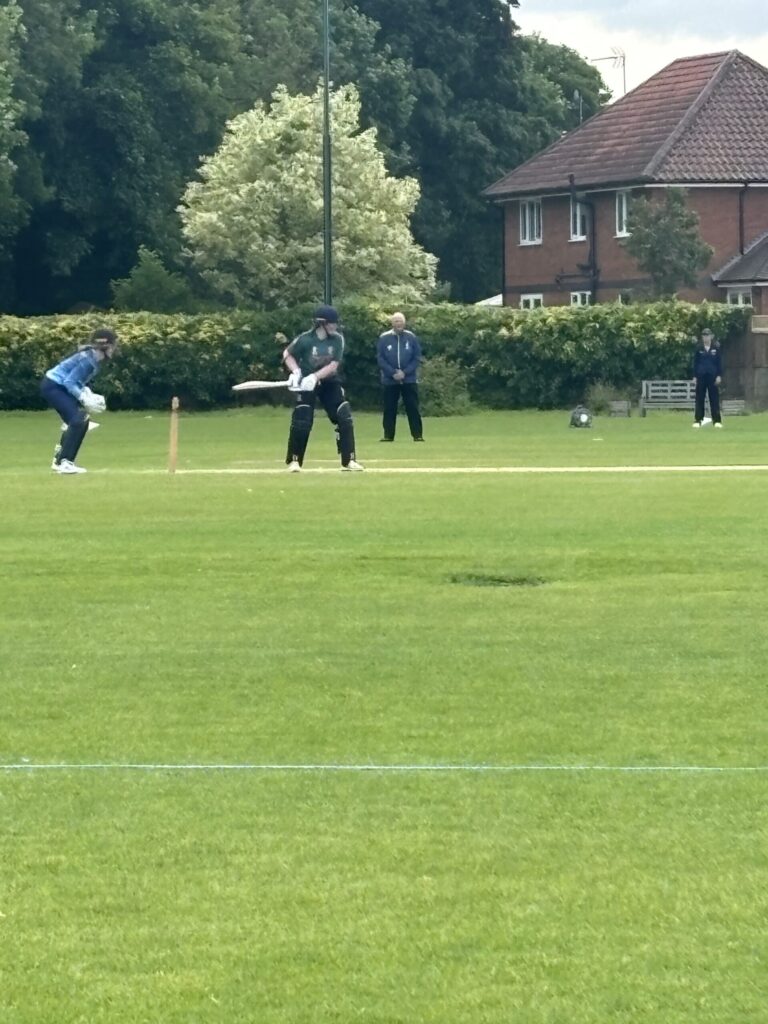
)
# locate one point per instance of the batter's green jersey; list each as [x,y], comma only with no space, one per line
[313,353]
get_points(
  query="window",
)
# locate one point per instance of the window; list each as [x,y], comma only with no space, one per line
[739,296]
[531,301]
[578,220]
[581,298]
[530,221]
[622,214]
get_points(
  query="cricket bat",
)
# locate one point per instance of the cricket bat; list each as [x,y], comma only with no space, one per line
[259,385]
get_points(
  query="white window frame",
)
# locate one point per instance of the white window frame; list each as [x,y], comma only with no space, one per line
[622,213]
[581,298]
[531,300]
[579,221]
[531,232]
[739,295]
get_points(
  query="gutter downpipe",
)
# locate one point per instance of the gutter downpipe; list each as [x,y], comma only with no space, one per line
[742,197]
[591,264]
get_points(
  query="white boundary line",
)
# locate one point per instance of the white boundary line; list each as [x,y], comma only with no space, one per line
[389,768]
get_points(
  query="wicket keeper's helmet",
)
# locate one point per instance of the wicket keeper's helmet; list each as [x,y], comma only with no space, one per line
[104,336]
[326,315]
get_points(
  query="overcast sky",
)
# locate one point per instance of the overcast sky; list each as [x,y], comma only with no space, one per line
[651,33]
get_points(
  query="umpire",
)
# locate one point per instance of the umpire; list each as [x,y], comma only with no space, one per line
[398,353]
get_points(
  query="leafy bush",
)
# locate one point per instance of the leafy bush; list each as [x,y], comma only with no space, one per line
[150,287]
[600,396]
[443,390]
[546,358]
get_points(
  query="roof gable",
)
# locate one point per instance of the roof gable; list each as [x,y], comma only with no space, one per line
[752,265]
[725,140]
[698,119]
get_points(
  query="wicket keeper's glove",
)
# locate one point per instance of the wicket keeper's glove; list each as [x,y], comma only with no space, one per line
[294,380]
[309,383]
[92,402]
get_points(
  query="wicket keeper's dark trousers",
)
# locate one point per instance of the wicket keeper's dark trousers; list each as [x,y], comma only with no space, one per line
[707,386]
[69,409]
[410,395]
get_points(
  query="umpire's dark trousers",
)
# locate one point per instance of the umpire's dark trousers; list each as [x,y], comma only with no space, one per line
[707,386]
[410,396]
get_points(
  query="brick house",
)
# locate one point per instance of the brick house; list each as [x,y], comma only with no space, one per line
[701,123]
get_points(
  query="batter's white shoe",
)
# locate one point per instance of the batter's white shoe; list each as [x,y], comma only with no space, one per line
[294,467]
[353,467]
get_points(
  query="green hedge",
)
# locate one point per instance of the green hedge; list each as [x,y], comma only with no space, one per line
[547,358]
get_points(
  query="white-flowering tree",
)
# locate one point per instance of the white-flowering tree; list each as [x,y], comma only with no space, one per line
[254,222]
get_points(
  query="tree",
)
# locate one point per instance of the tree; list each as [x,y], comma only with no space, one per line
[286,36]
[121,100]
[664,241]
[56,37]
[254,223]
[153,288]
[484,102]
[115,101]
[12,211]
[118,100]
[569,89]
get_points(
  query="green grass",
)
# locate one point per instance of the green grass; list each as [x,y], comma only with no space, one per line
[338,619]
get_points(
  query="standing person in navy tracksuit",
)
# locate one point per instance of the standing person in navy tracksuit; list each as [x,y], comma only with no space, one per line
[707,374]
[398,353]
[65,389]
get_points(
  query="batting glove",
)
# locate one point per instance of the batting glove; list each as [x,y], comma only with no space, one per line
[309,383]
[294,380]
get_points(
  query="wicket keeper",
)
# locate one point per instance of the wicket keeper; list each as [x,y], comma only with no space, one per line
[65,388]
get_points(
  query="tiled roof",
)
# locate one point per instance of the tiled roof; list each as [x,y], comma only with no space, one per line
[751,266]
[727,139]
[699,119]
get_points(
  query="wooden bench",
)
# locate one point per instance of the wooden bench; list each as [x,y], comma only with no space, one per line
[681,394]
[733,407]
[619,407]
[667,394]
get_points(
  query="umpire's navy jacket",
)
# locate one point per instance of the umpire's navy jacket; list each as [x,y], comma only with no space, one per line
[398,352]
[706,364]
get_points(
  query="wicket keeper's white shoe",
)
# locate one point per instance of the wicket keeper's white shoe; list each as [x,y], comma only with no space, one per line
[353,467]
[67,468]
[718,426]
[92,425]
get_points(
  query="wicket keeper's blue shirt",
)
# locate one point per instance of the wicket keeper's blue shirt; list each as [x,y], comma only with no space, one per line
[74,372]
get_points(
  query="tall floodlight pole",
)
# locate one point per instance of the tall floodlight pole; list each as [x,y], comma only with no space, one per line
[327,209]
